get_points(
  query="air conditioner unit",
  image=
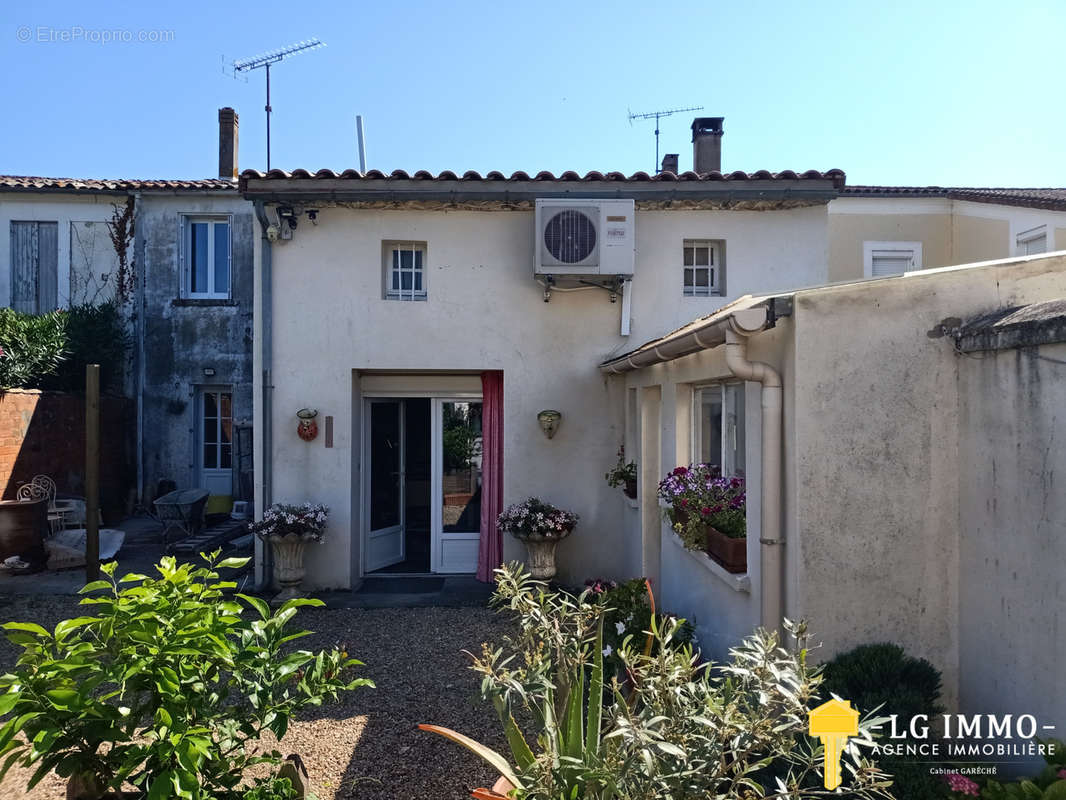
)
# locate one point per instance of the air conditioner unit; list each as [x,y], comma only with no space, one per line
[576,238]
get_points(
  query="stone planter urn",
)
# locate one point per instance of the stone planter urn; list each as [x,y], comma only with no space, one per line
[541,551]
[288,565]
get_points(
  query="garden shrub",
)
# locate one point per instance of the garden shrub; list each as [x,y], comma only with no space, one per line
[883,675]
[50,351]
[680,729]
[164,686]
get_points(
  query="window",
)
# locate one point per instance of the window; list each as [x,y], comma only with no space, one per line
[719,427]
[206,257]
[34,266]
[890,258]
[1031,242]
[405,273]
[702,268]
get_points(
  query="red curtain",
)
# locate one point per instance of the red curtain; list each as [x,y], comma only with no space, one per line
[490,548]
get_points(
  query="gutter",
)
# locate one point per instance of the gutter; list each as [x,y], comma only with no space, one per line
[733,326]
[266,308]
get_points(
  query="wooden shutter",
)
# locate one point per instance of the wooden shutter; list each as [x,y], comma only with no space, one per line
[47,266]
[34,266]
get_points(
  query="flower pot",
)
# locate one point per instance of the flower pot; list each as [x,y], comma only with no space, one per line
[288,565]
[630,489]
[541,551]
[730,553]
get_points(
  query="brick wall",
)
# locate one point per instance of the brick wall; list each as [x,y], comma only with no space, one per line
[44,433]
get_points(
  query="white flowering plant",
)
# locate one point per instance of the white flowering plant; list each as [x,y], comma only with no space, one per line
[307,520]
[534,517]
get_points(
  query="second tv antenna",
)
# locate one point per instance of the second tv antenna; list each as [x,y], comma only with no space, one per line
[656,115]
[265,60]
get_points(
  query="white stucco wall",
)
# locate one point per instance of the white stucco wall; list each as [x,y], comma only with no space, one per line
[1012,521]
[92,250]
[485,311]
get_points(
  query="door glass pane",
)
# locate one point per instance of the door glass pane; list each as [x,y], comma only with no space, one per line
[198,257]
[226,459]
[461,462]
[221,258]
[709,425]
[210,456]
[385,449]
[210,404]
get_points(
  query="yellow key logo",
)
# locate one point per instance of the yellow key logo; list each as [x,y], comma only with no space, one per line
[833,722]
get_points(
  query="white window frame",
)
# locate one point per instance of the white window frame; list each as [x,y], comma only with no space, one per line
[714,268]
[1023,238]
[187,221]
[872,249]
[729,455]
[412,294]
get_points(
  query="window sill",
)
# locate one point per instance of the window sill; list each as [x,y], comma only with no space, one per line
[203,302]
[738,583]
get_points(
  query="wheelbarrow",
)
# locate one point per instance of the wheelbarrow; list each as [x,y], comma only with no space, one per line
[182,512]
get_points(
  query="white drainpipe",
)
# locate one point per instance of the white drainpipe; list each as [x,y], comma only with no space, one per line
[771,537]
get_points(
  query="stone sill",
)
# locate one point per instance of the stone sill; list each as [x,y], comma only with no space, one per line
[736,582]
[189,302]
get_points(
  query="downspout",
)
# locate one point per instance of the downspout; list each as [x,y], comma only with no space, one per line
[266,308]
[771,537]
[140,303]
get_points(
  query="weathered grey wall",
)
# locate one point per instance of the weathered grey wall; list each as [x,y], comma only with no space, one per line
[182,337]
[1012,543]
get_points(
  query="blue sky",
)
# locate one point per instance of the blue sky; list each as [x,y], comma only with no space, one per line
[948,93]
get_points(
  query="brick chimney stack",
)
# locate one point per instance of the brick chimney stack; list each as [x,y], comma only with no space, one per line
[227,144]
[670,163]
[707,144]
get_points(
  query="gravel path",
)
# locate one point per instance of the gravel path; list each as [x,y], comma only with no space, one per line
[367,746]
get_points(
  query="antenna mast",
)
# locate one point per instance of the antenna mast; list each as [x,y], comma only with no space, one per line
[265,60]
[656,115]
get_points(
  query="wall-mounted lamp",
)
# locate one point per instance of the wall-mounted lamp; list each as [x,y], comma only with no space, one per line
[308,428]
[209,372]
[549,421]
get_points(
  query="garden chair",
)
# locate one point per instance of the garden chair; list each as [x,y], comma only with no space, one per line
[28,492]
[58,510]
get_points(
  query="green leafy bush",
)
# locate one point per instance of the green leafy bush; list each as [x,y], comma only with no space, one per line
[32,345]
[164,686]
[50,351]
[681,729]
[883,675]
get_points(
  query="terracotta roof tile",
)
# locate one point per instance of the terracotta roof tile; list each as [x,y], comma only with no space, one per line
[835,175]
[1052,199]
[31,183]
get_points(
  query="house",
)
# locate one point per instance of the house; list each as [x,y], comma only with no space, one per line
[884,230]
[401,311]
[186,294]
[383,301]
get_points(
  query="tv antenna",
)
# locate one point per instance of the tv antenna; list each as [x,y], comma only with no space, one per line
[656,115]
[265,60]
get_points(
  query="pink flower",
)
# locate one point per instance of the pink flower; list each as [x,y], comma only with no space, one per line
[1062,774]
[962,784]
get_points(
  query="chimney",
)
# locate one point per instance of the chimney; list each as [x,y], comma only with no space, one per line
[670,163]
[707,144]
[227,144]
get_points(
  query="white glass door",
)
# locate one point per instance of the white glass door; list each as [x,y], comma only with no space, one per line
[385,483]
[456,510]
[215,434]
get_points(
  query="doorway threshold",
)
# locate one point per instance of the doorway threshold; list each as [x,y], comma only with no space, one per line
[446,591]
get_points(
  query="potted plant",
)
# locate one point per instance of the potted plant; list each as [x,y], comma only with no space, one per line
[708,512]
[541,526]
[623,474]
[288,529]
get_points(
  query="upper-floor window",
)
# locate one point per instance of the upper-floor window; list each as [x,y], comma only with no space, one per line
[702,268]
[890,258]
[206,257]
[1031,242]
[405,270]
[718,432]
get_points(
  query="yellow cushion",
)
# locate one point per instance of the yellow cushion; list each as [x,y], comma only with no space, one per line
[219,504]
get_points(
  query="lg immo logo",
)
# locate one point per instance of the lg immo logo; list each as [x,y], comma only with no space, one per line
[967,735]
